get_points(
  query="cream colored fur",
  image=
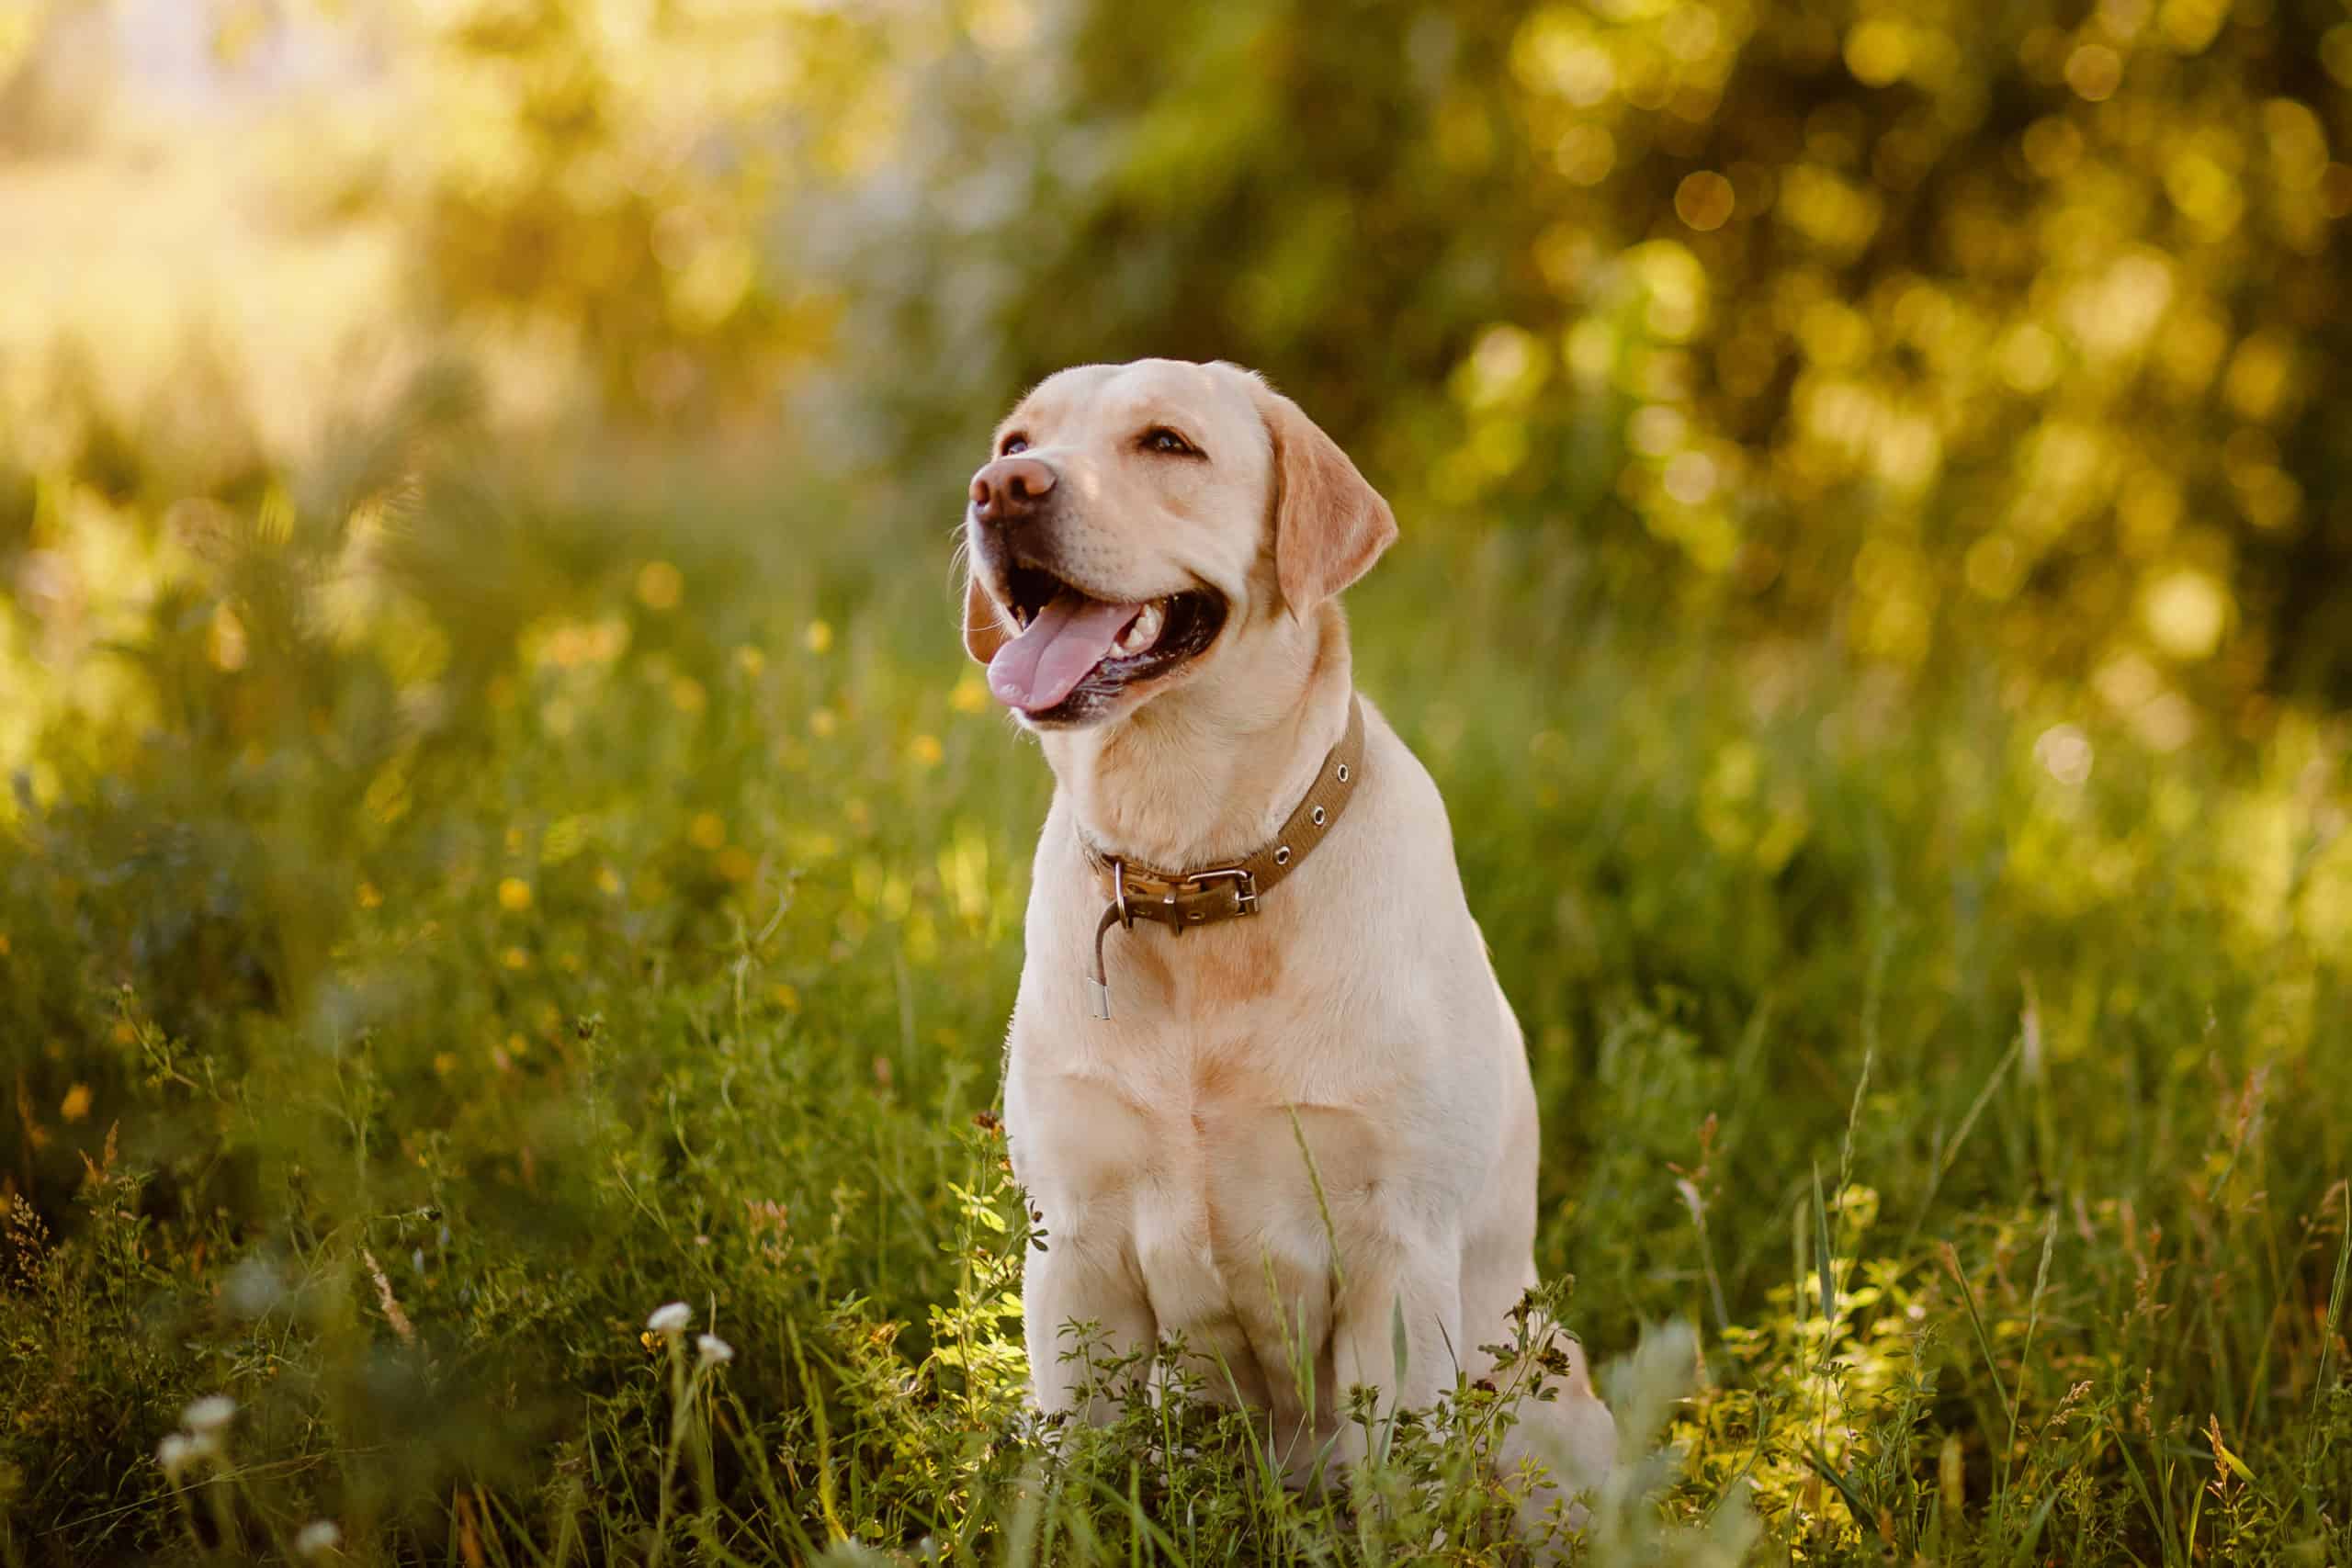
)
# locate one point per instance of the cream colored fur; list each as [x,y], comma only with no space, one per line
[1357,1011]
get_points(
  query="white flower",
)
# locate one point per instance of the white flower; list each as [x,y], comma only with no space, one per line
[173,1452]
[208,1414]
[670,1319]
[318,1535]
[714,1350]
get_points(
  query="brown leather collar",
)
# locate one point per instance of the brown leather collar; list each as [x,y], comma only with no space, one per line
[1180,900]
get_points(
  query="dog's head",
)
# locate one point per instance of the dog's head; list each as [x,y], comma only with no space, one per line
[1137,523]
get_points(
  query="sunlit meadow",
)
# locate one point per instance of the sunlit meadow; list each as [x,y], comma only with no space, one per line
[510,890]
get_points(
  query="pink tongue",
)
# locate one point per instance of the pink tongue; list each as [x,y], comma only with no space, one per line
[1068,637]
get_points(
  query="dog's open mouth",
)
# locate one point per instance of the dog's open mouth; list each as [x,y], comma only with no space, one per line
[1075,652]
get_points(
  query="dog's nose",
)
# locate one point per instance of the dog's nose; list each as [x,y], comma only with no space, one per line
[1011,489]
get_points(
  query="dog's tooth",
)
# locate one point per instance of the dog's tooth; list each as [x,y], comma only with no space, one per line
[1143,631]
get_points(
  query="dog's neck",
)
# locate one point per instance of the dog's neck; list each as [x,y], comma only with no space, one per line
[1206,775]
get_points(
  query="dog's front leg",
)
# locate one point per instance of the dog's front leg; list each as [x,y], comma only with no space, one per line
[1081,1307]
[1421,1292]
[1560,1446]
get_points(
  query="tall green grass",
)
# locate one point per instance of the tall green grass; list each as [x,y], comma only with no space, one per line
[519,909]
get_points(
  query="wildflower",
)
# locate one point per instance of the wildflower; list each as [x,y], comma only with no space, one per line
[713,1351]
[77,1104]
[227,639]
[209,1414]
[174,1453]
[670,1318]
[318,1535]
[660,586]
[926,752]
[514,894]
[819,636]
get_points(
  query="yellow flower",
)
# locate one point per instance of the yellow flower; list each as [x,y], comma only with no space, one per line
[659,586]
[445,1063]
[736,864]
[819,636]
[370,897]
[708,831]
[608,881]
[971,695]
[823,722]
[514,894]
[516,958]
[227,639]
[77,1104]
[925,751]
[751,661]
[687,694]
[786,997]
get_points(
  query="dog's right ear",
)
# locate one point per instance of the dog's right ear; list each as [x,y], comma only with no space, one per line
[984,630]
[1329,523]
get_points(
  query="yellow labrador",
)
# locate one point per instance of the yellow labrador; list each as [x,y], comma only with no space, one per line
[1308,1113]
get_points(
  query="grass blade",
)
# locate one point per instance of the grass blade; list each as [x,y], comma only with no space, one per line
[1846,1489]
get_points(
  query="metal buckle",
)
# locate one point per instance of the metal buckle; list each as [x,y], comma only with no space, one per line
[1119,894]
[1245,883]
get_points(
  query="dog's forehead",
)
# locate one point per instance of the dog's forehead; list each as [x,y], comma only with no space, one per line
[1212,397]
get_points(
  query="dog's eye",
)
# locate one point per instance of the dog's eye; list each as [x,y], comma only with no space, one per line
[1012,444]
[1160,439]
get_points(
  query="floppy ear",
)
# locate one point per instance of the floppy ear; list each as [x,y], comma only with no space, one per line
[1329,523]
[983,625]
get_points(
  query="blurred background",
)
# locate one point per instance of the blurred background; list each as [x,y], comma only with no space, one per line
[501,833]
[1980,337]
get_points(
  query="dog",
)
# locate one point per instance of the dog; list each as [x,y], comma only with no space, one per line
[1262,1088]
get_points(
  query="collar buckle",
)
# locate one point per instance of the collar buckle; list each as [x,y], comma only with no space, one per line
[1244,880]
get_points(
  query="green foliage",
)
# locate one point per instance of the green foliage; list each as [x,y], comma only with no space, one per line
[2008,330]
[491,916]
[530,853]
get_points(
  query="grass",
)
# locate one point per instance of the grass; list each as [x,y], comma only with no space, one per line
[436,941]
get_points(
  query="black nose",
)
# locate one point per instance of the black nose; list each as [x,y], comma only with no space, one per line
[1011,489]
